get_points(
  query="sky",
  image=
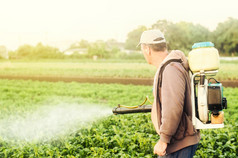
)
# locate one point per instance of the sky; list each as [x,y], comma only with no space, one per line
[60,23]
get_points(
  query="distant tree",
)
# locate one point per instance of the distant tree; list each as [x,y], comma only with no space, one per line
[39,51]
[133,38]
[99,49]
[25,50]
[226,36]
[182,35]
[162,25]
[186,34]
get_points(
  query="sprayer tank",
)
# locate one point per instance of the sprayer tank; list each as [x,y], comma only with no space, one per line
[203,57]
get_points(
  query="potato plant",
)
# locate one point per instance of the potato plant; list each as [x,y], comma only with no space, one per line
[118,136]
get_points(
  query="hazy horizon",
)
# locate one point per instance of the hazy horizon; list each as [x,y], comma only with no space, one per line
[60,23]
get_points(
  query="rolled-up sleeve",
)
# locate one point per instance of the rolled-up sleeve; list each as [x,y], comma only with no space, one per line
[172,101]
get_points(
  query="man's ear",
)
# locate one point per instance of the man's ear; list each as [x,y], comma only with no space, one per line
[148,50]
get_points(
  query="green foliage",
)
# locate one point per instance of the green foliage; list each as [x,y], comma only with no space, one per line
[133,38]
[98,49]
[38,52]
[131,65]
[114,136]
[13,55]
[222,142]
[162,25]
[182,35]
[101,49]
[226,36]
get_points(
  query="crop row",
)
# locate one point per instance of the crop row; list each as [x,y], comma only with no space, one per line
[112,136]
[127,69]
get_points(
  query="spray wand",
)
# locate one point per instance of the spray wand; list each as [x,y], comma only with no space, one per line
[142,108]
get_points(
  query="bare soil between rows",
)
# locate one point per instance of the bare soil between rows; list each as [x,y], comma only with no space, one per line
[107,80]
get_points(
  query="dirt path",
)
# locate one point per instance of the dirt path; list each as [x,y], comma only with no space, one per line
[134,81]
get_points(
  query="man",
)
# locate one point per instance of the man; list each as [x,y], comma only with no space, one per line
[172,109]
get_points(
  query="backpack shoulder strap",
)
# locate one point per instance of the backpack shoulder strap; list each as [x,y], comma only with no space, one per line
[163,67]
[161,74]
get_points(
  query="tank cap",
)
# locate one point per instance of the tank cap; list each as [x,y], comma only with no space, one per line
[202,44]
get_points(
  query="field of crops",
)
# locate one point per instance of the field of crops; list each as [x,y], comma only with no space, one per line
[108,68]
[68,125]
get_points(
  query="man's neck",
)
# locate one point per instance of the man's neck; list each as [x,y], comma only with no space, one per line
[158,57]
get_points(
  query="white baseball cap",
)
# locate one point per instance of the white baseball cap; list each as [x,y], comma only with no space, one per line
[152,37]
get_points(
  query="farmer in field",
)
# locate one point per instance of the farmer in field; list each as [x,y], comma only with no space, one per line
[172,109]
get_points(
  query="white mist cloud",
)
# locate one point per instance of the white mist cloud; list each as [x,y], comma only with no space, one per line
[51,121]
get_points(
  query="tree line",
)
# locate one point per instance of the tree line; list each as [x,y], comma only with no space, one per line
[100,49]
[181,35]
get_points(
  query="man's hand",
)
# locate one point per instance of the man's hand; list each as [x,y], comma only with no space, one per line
[160,148]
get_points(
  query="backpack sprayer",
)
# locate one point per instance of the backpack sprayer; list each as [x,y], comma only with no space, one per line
[207,97]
